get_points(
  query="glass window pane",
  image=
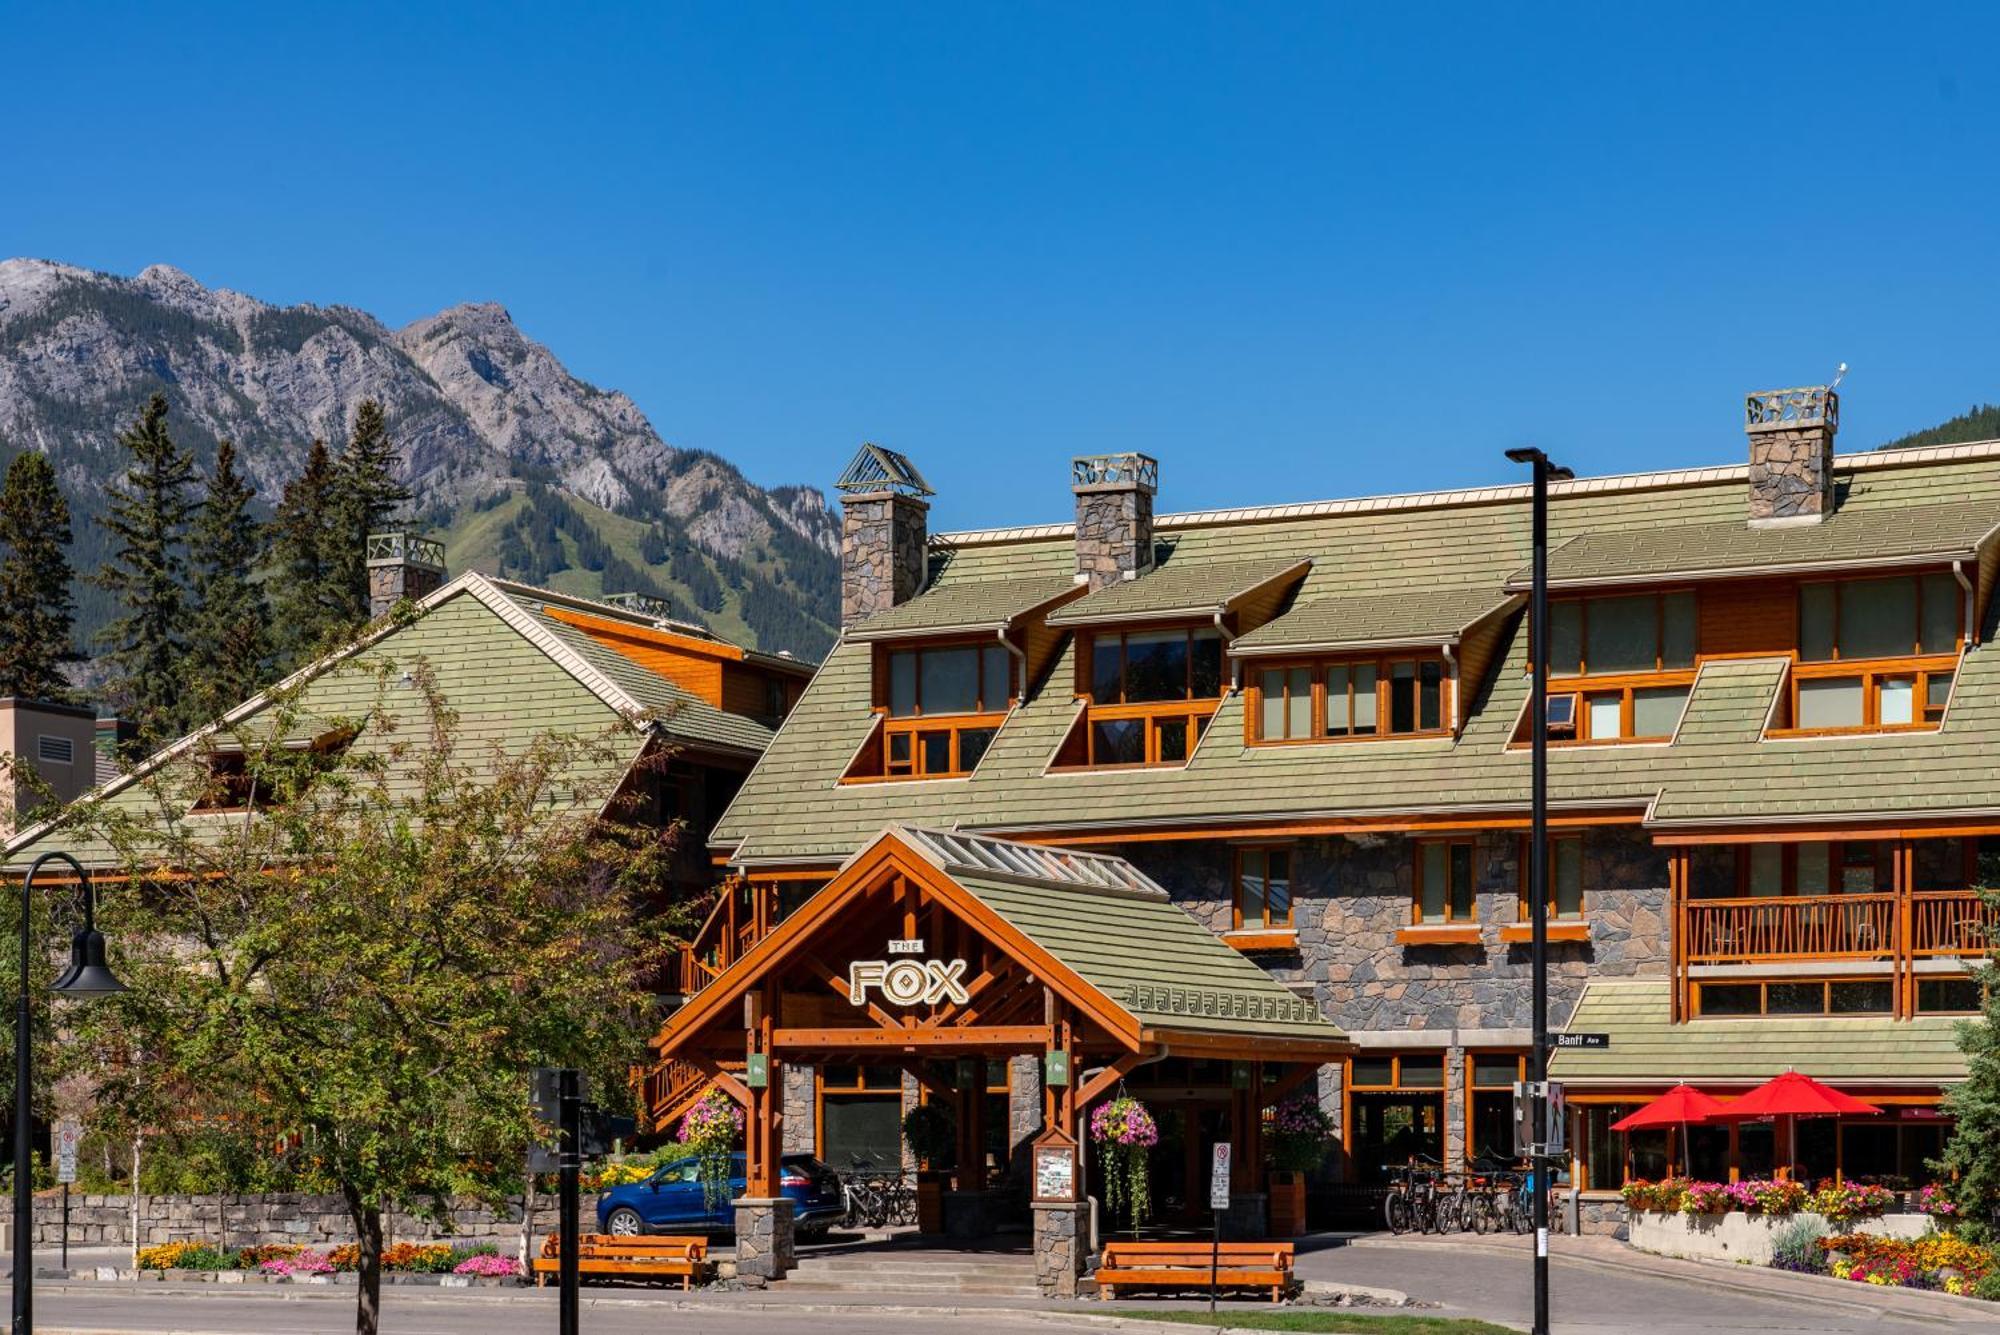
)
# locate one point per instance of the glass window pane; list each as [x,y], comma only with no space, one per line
[1878,617]
[1794,998]
[1606,715]
[1461,881]
[1423,1072]
[899,748]
[1378,1072]
[1816,621]
[1430,696]
[1656,710]
[1569,878]
[1832,702]
[1729,998]
[1173,740]
[996,674]
[1677,630]
[1565,638]
[1812,865]
[1250,889]
[1947,994]
[1937,691]
[1436,878]
[1767,869]
[1299,702]
[1272,684]
[972,744]
[950,681]
[936,752]
[1205,667]
[1944,604]
[1860,998]
[1623,634]
[1896,701]
[1336,702]
[1402,697]
[902,684]
[1119,741]
[1156,665]
[1107,672]
[1278,886]
[1494,1071]
[1364,697]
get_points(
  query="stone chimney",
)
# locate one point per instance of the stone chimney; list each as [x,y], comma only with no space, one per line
[1791,455]
[402,565]
[1114,515]
[884,533]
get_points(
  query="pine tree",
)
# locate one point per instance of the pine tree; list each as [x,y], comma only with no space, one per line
[367,499]
[308,611]
[148,521]
[37,616]
[229,646]
[1972,1155]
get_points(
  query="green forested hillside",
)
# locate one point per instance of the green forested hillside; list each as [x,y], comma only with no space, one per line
[1979,422]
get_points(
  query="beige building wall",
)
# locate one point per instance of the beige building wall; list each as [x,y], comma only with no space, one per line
[58,742]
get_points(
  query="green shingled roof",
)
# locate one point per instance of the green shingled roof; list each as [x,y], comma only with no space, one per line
[967,607]
[1414,617]
[1175,587]
[1646,1048]
[1943,532]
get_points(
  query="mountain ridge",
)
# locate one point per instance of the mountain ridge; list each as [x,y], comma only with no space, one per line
[478,409]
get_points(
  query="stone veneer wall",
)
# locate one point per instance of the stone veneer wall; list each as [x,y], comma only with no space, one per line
[1791,473]
[799,1131]
[245,1220]
[1114,533]
[882,552]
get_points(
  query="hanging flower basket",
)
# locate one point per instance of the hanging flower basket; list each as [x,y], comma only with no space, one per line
[709,1132]
[1125,1131]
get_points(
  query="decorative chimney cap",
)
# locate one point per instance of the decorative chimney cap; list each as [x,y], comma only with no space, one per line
[875,468]
[405,549]
[1130,470]
[1792,409]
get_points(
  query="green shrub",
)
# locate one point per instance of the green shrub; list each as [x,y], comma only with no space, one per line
[1988,1288]
[1796,1247]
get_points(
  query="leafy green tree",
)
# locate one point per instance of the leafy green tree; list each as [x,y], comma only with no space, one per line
[372,968]
[147,572]
[311,610]
[37,616]
[366,500]
[1972,1155]
[229,646]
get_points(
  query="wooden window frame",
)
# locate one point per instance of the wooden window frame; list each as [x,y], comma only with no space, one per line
[1918,650]
[1451,919]
[1870,672]
[822,1092]
[1267,924]
[1659,596]
[1764,985]
[986,708]
[1086,685]
[1470,1089]
[1623,687]
[1196,715]
[1523,911]
[1322,703]
[1396,1060]
[1836,858]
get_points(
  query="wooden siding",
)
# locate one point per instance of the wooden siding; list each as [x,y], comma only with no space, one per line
[1744,617]
[1476,654]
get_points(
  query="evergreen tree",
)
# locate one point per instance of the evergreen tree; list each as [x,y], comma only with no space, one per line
[228,644]
[146,573]
[37,616]
[367,499]
[1972,1155]
[309,608]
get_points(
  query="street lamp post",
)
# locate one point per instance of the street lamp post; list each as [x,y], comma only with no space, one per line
[86,976]
[1538,863]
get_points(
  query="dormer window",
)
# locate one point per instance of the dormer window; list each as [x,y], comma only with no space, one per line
[1151,695]
[1349,699]
[940,706]
[1620,667]
[233,784]
[1874,655]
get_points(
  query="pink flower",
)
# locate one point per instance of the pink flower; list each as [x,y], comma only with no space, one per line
[488,1267]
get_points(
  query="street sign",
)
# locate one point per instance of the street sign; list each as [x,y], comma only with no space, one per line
[1524,1119]
[1598,1041]
[1558,1124]
[68,1136]
[1218,1181]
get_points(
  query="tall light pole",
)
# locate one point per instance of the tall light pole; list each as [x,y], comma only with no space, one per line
[86,976]
[1538,862]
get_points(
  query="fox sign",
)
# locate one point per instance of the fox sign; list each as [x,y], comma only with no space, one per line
[907,982]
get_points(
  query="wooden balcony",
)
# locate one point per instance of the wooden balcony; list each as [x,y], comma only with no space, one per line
[1837,928]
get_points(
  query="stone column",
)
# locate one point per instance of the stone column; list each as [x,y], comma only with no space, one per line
[1061,1242]
[1024,1111]
[1455,1096]
[800,1132]
[764,1242]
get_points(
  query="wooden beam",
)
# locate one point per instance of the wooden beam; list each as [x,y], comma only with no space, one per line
[866,1040]
[1098,1085]
[1276,1090]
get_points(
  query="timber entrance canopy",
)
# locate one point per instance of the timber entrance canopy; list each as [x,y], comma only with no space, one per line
[929,944]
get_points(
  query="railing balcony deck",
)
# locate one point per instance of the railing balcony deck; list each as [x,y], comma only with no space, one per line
[1778,929]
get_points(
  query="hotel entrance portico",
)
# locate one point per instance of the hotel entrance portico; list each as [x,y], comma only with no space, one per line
[936,953]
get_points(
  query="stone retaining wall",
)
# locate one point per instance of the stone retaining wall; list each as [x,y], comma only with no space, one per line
[241,1221]
[1736,1236]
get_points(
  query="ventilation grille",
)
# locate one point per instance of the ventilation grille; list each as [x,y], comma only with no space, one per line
[55,750]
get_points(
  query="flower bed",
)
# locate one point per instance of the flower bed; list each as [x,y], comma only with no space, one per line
[1937,1261]
[283,1261]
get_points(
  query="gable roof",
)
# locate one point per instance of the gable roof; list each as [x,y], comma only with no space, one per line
[1177,588]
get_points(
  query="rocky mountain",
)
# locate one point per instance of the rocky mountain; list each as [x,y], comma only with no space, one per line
[520,466]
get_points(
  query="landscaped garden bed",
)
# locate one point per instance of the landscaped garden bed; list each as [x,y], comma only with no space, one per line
[284,1263]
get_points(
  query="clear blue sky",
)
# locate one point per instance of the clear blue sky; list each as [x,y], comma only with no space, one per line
[1295,251]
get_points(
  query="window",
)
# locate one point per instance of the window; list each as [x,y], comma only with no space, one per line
[953,679]
[1489,1112]
[278,775]
[1615,714]
[1852,996]
[1819,867]
[55,750]
[1385,697]
[1565,877]
[1621,635]
[1444,891]
[1824,699]
[774,698]
[942,706]
[1947,996]
[861,1115]
[1410,1070]
[1263,889]
[1152,694]
[1899,617]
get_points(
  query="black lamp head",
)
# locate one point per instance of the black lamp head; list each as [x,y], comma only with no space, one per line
[87,975]
[1525,454]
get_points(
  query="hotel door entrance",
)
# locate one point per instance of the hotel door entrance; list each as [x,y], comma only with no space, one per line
[1188,1131]
[1395,1112]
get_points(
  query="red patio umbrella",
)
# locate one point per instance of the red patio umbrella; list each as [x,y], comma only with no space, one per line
[1791,1096]
[1677,1107]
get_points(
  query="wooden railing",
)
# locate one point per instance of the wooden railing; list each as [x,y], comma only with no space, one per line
[1797,927]
[1952,922]
[743,915]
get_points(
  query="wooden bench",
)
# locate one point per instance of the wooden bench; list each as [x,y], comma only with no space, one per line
[640,1257]
[1186,1265]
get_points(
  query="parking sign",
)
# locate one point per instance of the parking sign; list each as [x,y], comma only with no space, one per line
[68,1136]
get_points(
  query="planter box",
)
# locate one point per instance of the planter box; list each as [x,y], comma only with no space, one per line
[1745,1237]
[1288,1205]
